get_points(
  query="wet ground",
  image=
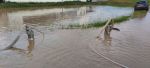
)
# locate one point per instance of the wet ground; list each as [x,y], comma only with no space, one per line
[74,48]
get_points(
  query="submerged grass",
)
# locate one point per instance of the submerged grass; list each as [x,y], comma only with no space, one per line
[98,24]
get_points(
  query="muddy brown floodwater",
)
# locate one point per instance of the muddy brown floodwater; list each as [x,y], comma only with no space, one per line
[73,48]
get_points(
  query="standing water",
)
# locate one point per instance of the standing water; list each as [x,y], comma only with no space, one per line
[72,48]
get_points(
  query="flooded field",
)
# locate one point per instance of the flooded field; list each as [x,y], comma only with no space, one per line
[73,48]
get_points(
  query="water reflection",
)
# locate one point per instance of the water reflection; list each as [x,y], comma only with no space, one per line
[30,46]
[28,51]
[31,40]
[54,46]
[12,23]
[61,16]
[139,14]
[19,50]
[130,46]
[107,32]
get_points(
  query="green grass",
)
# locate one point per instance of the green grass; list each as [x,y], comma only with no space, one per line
[97,24]
[139,14]
[60,4]
[126,3]
[48,4]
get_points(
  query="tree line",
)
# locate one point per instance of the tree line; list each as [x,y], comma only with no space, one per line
[2,1]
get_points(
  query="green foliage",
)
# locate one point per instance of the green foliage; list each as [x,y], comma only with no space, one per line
[98,24]
[67,3]
[46,4]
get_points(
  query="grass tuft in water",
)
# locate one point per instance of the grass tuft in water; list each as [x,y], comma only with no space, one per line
[97,24]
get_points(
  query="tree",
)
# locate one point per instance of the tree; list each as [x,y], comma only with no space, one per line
[89,0]
[1,1]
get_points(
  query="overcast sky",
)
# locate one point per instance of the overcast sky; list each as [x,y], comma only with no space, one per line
[38,0]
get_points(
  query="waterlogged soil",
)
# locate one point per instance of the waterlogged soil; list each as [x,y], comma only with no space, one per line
[73,48]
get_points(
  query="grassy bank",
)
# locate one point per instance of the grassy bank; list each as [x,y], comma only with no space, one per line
[97,24]
[31,4]
[125,1]
[129,3]
[60,4]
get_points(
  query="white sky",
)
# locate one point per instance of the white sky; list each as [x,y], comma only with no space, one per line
[39,0]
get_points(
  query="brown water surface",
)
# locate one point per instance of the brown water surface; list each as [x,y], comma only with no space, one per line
[73,48]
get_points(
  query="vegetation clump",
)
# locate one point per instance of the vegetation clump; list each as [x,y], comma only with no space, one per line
[98,24]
